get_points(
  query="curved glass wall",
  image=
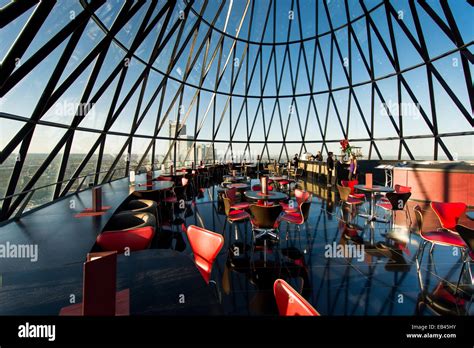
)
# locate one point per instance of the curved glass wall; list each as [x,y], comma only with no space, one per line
[92,89]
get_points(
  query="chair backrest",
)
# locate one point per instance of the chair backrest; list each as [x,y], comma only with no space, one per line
[344,192]
[467,234]
[402,189]
[231,194]
[448,213]
[301,196]
[265,216]
[349,183]
[398,200]
[227,205]
[290,302]
[304,207]
[419,217]
[205,245]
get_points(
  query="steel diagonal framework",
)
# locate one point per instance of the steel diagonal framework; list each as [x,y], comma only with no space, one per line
[190,77]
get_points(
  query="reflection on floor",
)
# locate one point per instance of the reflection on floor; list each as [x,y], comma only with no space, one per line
[325,261]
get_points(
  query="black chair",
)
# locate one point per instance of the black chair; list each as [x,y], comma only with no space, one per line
[142,206]
[396,201]
[265,219]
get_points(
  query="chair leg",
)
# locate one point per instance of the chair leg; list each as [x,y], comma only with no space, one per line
[419,259]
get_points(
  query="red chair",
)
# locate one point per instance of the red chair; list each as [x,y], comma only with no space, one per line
[234,199]
[351,184]
[448,213]
[441,237]
[134,239]
[300,216]
[206,245]
[290,302]
[301,196]
[234,215]
[345,198]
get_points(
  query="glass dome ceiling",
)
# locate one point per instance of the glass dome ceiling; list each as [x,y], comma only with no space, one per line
[92,89]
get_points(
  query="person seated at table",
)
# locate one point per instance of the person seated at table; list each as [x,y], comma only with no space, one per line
[319,156]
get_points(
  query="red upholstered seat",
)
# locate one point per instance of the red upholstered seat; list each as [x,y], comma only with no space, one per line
[135,239]
[205,245]
[236,215]
[357,195]
[293,217]
[284,182]
[240,206]
[288,209]
[443,237]
[290,302]
[448,213]
[352,200]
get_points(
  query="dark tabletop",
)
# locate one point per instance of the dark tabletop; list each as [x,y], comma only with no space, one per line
[157,279]
[271,196]
[374,188]
[154,186]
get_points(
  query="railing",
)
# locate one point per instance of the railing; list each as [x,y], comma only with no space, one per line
[29,193]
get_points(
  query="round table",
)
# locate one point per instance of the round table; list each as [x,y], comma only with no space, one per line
[470,215]
[154,186]
[238,186]
[231,179]
[157,279]
[373,190]
[272,196]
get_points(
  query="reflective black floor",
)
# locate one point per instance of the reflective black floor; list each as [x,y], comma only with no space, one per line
[383,280]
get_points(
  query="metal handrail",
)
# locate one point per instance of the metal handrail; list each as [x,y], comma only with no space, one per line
[56,183]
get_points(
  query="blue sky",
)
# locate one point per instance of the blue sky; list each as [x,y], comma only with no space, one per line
[22,99]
